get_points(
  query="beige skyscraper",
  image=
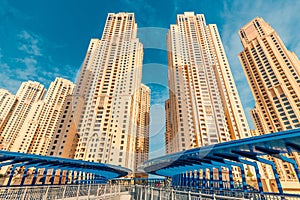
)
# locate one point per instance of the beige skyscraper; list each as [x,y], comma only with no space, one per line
[65,138]
[38,128]
[29,93]
[7,103]
[273,74]
[106,110]
[204,106]
[143,122]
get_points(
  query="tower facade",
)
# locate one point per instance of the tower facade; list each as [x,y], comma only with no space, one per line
[37,130]
[7,103]
[143,123]
[65,137]
[204,106]
[28,94]
[106,105]
[273,74]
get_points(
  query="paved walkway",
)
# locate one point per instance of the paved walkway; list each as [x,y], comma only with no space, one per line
[125,197]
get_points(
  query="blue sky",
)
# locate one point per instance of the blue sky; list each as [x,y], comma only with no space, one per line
[41,40]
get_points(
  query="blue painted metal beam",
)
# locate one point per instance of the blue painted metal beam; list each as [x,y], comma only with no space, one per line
[47,162]
[276,153]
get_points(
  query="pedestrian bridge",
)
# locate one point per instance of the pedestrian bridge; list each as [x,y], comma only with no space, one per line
[214,166]
[128,192]
[201,173]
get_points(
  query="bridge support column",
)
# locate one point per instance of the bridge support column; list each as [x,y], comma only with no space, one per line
[243,177]
[81,180]
[24,176]
[73,174]
[188,179]
[94,178]
[259,183]
[174,180]
[180,180]
[60,176]
[220,173]
[67,177]
[85,177]
[193,179]
[198,179]
[77,178]
[204,178]
[34,176]
[44,176]
[231,182]
[211,178]
[90,177]
[52,179]
[11,175]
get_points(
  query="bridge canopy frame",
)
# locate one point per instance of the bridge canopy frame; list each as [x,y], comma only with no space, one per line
[86,172]
[238,153]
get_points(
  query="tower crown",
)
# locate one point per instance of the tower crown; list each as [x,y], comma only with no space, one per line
[256,28]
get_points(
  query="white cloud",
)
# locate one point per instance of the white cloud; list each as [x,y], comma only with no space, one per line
[30,70]
[29,43]
[7,77]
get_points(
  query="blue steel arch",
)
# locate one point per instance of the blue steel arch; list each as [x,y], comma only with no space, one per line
[86,172]
[182,166]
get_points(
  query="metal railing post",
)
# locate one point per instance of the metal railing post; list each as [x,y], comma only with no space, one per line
[146,192]
[98,190]
[151,193]
[214,196]
[24,194]
[160,193]
[89,191]
[63,195]
[46,194]
[77,193]
[141,192]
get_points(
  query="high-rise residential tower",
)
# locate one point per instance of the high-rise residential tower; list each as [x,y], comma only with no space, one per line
[65,137]
[7,103]
[273,74]
[107,101]
[41,122]
[204,106]
[28,94]
[143,123]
